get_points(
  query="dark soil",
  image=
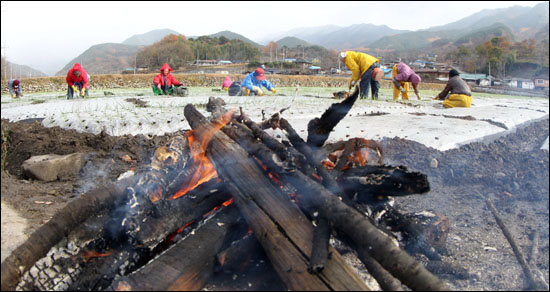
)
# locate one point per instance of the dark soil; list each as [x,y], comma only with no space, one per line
[512,171]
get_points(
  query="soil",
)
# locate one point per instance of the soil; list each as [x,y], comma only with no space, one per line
[512,171]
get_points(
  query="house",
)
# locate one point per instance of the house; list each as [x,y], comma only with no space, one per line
[290,60]
[479,79]
[432,75]
[520,83]
[541,82]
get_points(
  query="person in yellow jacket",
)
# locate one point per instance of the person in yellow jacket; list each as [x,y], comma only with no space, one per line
[365,69]
[402,75]
[457,93]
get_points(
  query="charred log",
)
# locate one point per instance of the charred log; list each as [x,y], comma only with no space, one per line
[188,264]
[319,128]
[343,217]
[319,251]
[259,194]
[64,221]
[368,182]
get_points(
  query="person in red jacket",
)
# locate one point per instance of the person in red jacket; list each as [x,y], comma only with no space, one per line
[163,83]
[77,79]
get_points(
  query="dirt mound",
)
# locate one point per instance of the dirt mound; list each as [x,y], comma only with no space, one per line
[513,172]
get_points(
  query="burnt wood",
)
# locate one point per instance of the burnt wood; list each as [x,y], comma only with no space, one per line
[320,251]
[234,164]
[62,223]
[187,265]
[382,180]
[312,189]
[319,128]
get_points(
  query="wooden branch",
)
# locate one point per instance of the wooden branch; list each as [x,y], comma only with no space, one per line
[533,282]
[319,250]
[234,164]
[319,128]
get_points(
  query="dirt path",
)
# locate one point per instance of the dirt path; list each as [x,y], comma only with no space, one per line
[13,227]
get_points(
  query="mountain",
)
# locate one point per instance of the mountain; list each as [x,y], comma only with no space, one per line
[517,23]
[20,71]
[108,58]
[231,35]
[414,40]
[311,34]
[339,38]
[292,42]
[523,21]
[485,33]
[148,38]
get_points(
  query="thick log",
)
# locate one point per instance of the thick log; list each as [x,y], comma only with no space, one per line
[234,164]
[319,128]
[401,265]
[532,281]
[288,261]
[156,221]
[188,264]
[62,223]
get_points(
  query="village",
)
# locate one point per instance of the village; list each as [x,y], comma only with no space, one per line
[356,156]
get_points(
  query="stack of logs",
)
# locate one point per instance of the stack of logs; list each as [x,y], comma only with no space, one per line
[290,201]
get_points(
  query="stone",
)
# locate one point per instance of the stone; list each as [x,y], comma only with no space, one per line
[434,163]
[52,167]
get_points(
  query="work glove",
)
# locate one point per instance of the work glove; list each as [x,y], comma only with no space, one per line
[13,95]
[257,90]
[352,84]
[226,88]
[83,92]
[403,90]
[74,88]
[273,90]
[158,86]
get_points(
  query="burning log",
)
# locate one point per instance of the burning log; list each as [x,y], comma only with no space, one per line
[41,241]
[259,194]
[319,128]
[533,282]
[224,152]
[188,264]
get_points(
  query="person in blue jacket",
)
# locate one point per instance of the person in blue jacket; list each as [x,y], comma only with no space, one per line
[253,82]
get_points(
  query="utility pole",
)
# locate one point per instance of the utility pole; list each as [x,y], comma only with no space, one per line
[489,73]
[5,61]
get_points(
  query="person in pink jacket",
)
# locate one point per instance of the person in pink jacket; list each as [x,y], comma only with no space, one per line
[163,83]
[226,83]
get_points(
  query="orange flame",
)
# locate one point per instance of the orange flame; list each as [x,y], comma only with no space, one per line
[206,170]
[93,254]
[359,157]
[156,194]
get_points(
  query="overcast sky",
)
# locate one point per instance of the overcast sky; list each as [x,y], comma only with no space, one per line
[47,35]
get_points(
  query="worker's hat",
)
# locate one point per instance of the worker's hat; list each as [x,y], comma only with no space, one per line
[259,74]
